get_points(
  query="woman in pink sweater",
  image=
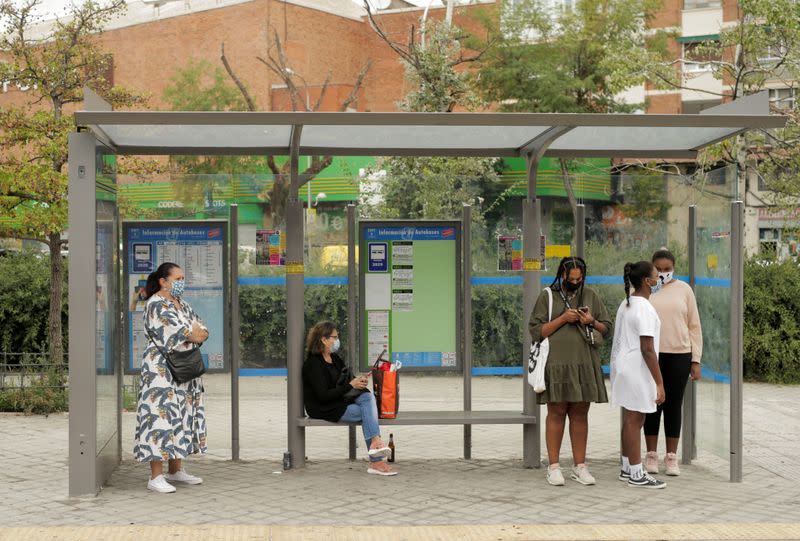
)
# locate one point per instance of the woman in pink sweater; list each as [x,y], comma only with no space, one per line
[679,358]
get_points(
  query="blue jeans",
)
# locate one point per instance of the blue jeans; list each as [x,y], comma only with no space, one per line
[365,411]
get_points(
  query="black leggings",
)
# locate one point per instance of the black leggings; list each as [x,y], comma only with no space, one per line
[675,368]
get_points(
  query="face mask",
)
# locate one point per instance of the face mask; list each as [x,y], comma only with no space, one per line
[656,288]
[336,345]
[665,277]
[177,288]
[569,286]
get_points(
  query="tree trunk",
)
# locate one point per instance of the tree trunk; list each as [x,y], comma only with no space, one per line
[54,328]
[573,203]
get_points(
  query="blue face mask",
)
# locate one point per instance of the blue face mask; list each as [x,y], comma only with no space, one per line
[336,345]
[177,288]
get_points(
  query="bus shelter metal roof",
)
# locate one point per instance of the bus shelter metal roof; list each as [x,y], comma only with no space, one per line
[563,135]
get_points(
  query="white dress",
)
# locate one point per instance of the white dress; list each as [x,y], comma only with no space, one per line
[632,385]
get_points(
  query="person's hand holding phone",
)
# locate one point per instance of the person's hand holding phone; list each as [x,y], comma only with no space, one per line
[359,383]
[571,316]
[585,315]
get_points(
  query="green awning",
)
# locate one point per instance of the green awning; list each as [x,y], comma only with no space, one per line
[698,39]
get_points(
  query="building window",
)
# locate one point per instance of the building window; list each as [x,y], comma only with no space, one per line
[701,4]
[782,98]
[768,241]
[774,53]
[698,56]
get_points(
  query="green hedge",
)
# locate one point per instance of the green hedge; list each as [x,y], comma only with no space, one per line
[25,302]
[771,327]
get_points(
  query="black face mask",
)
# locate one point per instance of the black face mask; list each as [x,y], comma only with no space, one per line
[572,288]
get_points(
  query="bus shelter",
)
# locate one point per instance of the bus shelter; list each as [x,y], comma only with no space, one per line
[95,438]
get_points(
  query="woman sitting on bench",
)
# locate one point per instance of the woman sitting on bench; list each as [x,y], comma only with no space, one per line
[332,393]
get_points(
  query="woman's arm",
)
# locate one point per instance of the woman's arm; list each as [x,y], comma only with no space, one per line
[646,344]
[163,322]
[540,327]
[597,316]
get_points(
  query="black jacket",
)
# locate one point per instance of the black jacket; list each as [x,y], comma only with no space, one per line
[322,397]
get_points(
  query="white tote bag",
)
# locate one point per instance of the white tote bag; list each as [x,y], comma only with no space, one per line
[539,352]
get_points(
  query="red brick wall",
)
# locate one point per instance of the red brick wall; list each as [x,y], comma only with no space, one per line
[667,104]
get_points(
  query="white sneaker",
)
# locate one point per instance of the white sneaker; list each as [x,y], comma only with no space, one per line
[386,473]
[580,473]
[159,484]
[182,477]
[651,462]
[555,477]
[671,464]
[380,452]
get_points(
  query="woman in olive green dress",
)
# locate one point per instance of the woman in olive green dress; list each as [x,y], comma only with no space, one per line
[573,376]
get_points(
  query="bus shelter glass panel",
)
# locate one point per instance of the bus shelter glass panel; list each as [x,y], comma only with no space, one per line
[107,347]
[713,292]
[627,232]
[180,219]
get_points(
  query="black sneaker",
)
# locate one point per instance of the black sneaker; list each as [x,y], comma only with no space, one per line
[646,481]
[623,475]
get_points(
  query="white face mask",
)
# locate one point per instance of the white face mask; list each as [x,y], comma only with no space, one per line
[656,288]
[665,277]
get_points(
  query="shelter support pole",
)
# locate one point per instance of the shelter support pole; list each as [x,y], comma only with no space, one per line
[352,313]
[737,337]
[531,231]
[235,331]
[83,470]
[580,231]
[532,151]
[688,445]
[466,320]
[295,302]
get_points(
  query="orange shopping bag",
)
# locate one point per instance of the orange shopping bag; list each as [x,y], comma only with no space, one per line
[386,387]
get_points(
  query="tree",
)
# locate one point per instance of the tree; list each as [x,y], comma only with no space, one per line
[277,62]
[435,58]
[574,60]
[201,86]
[762,48]
[55,67]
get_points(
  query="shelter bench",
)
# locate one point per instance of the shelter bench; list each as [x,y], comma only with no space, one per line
[409,418]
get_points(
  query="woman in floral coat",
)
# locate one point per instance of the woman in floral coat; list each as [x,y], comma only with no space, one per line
[170,417]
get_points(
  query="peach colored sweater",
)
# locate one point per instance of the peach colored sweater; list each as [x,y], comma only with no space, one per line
[680,321]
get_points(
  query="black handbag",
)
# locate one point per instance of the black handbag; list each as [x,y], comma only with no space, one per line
[183,365]
[346,377]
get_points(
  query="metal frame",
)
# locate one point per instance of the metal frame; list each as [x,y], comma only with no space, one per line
[86,475]
[88,470]
[737,339]
[689,442]
[352,311]
[466,320]
[234,353]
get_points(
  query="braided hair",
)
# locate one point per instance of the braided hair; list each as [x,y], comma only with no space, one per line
[634,275]
[566,265]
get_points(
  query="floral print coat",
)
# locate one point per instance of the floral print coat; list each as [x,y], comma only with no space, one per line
[170,417]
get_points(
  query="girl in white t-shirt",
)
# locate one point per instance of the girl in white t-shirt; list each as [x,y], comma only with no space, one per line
[636,384]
